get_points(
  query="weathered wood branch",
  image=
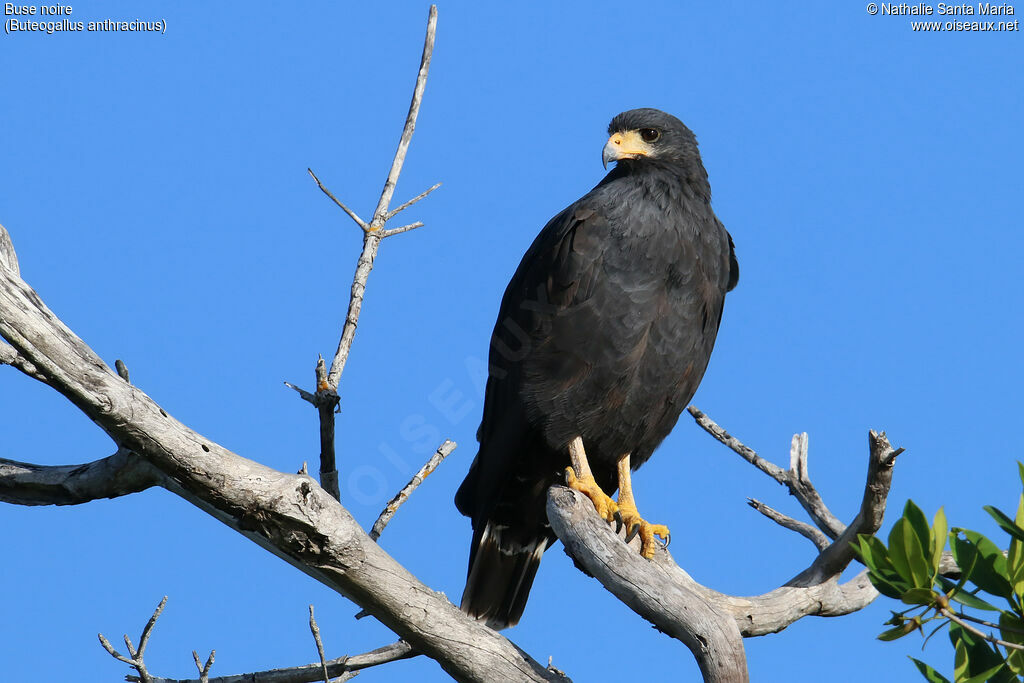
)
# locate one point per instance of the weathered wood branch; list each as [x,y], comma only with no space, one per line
[796,478]
[372,235]
[326,399]
[309,673]
[712,624]
[120,474]
[289,515]
[442,452]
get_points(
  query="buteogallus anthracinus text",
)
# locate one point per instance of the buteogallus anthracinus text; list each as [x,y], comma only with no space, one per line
[602,337]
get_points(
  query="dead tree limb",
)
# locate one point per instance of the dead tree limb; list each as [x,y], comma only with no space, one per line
[712,624]
[288,514]
[120,474]
[326,399]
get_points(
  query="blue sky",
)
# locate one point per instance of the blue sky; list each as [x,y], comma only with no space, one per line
[156,191]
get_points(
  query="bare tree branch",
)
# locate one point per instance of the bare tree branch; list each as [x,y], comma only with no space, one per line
[310,673]
[352,214]
[820,540]
[120,474]
[315,630]
[287,514]
[371,241]
[795,479]
[712,624]
[326,397]
[422,195]
[137,659]
[442,452]
[204,669]
[380,215]
[9,258]
[835,558]
[8,356]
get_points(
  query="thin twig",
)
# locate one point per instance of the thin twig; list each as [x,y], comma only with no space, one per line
[391,508]
[305,395]
[137,660]
[351,214]
[381,213]
[809,532]
[976,620]
[344,667]
[403,207]
[404,228]
[204,671]
[978,632]
[319,644]
[371,240]
[745,452]
[148,629]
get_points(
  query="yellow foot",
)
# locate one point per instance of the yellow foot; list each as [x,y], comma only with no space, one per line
[635,524]
[605,506]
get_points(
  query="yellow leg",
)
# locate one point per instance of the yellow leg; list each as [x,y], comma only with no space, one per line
[580,477]
[630,516]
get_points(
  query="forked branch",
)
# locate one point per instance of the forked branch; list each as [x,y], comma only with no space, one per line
[712,624]
[325,398]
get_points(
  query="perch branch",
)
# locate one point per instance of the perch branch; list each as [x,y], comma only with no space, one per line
[442,452]
[712,624]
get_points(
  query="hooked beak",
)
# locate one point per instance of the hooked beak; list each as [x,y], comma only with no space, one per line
[624,145]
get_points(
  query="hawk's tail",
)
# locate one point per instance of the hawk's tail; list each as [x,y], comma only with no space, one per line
[501,570]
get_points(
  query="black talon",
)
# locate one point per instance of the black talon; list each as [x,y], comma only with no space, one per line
[618,522]
[668,539]
[632,533]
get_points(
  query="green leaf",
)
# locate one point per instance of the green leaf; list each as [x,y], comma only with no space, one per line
[929,673]
[956,591]
[1010,626]
[985,675]
[894,633]
[919,523]
[990,571]
[939,532]
[1005,523]
[882,573]
[907,554]
[960,662]
[971,600]
[894,588]
[1020,471]
[919,596]
[1015,558]
[872,552]
[982,659]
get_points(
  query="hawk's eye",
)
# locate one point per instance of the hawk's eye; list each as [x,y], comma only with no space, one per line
[650,134]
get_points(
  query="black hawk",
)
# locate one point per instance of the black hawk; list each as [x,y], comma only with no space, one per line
[602,337]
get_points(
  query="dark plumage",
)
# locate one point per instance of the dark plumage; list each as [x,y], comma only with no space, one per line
[604,332]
